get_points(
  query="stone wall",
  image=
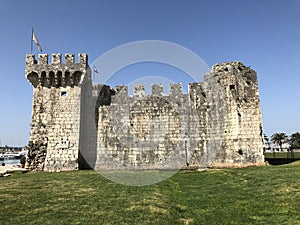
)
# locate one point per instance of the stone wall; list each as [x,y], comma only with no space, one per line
[75,124]
[217,123]
[142,131]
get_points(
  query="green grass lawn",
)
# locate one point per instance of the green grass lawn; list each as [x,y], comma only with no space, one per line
[254,195]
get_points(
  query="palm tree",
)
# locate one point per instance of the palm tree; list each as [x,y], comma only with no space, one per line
[279,138]
[295,140]
[266,138]
[266,142]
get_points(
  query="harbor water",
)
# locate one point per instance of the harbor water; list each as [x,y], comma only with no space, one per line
[10,162]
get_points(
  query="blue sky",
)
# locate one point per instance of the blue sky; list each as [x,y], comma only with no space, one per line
[263,34]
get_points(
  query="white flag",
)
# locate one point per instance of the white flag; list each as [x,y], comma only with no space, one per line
[95,69]
[36,41]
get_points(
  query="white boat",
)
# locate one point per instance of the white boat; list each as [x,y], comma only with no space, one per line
[12,155]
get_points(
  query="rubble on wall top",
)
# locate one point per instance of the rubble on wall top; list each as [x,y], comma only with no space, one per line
[229,67]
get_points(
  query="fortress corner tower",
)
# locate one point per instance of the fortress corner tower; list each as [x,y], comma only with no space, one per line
[234,116]
[56,110]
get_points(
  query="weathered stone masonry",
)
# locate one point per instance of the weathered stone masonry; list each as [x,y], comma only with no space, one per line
[55,124]
[217,123]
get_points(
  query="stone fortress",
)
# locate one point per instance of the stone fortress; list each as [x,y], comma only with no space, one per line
[76,124]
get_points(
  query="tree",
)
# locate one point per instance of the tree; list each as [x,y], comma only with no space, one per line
[295,140]
[279,138]
[266,138]
[266,142]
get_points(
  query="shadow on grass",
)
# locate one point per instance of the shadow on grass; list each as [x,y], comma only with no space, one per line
[278,161]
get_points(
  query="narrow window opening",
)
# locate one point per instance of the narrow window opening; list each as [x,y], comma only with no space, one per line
[64,94]
[231,87]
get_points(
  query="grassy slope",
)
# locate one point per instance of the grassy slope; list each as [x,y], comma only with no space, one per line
[256,195]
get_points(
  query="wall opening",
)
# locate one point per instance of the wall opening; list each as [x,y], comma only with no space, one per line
[60,78]
[64,94]
[52,78]
[67,78]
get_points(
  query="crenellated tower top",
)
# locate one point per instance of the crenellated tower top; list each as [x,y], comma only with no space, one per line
[56,74]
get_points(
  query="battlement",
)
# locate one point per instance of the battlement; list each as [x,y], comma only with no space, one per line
[56,59]
[156,90]
[56,73]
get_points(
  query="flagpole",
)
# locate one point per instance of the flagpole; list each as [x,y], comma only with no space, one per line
[31,40]
[95,71]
